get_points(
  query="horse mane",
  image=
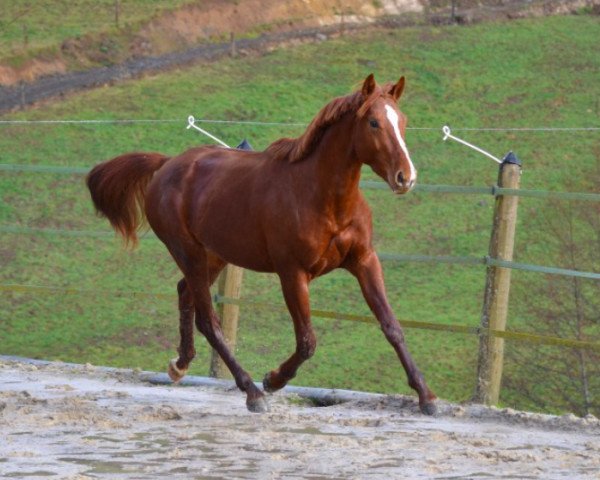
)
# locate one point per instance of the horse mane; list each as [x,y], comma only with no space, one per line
[296,149]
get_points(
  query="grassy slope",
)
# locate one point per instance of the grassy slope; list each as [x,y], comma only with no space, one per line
[520,74]
[47,23]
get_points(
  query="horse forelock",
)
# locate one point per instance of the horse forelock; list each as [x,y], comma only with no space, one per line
[370,100]
[296,149]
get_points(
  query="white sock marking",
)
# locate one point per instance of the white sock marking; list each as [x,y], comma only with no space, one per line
[392,116]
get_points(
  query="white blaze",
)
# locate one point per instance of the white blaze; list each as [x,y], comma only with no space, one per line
[392,116]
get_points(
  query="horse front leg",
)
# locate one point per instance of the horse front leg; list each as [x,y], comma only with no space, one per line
[295,292]
[369,274]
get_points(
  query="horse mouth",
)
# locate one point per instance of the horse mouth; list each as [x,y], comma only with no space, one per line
[401,190]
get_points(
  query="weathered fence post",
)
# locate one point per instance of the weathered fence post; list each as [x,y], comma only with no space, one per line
[497,286]
[232,47]
[230,285]
[117,12]
[25,36]
[22,88]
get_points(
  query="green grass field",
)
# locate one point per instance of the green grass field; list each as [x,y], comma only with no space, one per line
[527,73]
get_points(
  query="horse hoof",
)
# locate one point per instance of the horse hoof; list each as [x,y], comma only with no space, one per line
[257,405]
[428,408]
[175,374]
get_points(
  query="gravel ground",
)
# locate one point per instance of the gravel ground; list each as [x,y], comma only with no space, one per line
[80,422]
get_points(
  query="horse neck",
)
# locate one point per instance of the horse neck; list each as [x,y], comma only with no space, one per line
[336,166]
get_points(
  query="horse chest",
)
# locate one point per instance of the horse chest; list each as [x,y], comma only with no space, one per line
[330,255]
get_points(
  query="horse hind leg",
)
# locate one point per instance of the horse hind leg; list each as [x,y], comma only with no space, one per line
[200,271]
[179,366]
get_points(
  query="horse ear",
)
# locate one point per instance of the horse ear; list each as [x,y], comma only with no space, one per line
[396,90]
[368,86]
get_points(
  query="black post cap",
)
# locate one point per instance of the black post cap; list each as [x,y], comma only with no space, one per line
[510,157]
[244,145]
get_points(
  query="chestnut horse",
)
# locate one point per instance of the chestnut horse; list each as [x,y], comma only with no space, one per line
[294,209]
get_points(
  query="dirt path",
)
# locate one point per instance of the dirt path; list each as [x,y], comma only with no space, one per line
[21,95]
[62,421]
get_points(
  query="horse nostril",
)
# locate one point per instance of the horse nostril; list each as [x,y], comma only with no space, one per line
[400,178]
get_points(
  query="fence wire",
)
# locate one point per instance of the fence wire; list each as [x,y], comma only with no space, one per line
[267,123]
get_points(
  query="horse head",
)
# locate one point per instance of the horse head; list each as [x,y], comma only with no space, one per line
[379,135]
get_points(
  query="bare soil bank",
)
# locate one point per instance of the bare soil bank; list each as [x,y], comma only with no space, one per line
[207,21]
[168,42]
[80,422]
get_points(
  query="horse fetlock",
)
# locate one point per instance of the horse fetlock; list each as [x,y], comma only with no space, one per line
[175,373]
[417,383]
[426,398]
[306,350]
[186,355]
[270,384]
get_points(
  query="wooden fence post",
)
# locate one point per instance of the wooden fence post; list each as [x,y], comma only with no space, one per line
[25,36]
[497,285]
[229,285]
[232,48]
[117,12]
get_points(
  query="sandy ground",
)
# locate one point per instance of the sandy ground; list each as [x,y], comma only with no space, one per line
[80,422]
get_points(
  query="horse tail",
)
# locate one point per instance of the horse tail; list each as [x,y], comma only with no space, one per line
[118,189]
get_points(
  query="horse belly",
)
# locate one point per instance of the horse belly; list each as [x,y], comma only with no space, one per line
[233,234]
[241,252]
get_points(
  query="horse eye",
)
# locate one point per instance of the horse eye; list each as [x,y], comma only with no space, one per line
[374,123]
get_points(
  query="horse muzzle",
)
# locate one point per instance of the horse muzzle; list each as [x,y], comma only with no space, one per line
[401,184]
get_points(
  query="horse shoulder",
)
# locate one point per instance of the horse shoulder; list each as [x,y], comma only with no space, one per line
[362,219]
[357,238]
